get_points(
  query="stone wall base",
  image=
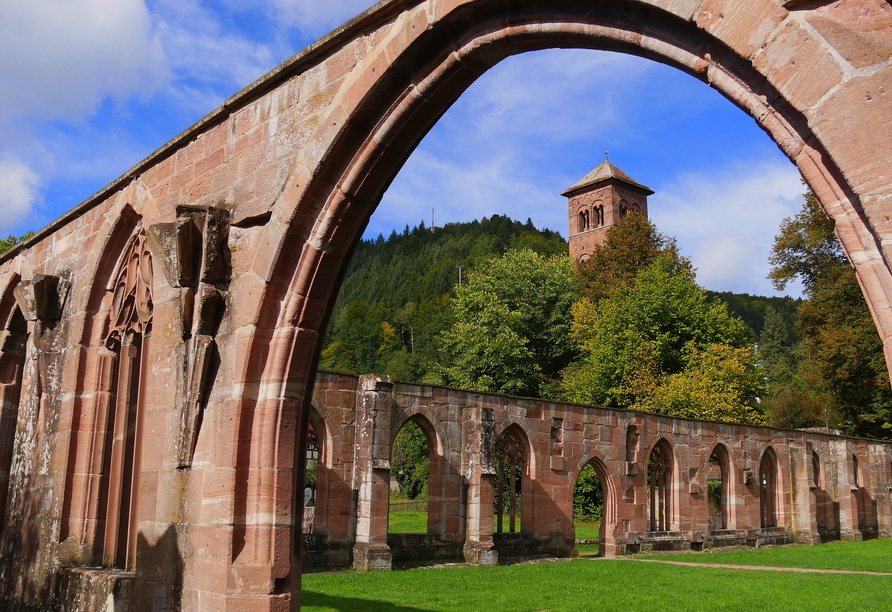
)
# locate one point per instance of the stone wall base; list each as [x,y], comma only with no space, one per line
[480,553]
[95,590]
[371,557]
[420,547]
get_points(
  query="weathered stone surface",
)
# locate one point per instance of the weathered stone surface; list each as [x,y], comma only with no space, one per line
[247,221]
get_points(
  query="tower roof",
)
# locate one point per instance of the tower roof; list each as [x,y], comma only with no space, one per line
[605,172]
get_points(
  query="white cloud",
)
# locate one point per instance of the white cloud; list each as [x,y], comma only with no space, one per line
[209,62]
[59,58]
[316,17]
[19,189]
[726,220]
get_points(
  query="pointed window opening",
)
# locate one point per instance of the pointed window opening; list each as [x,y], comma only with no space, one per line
[659,485]
[716,487]
[511,464]
[12,365]
[128,339]
[768,489]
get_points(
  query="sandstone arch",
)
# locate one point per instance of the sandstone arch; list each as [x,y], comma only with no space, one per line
[338,121]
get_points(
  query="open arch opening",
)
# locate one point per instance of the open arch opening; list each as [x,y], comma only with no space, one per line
[659,487]
[511,469]
[768,491]
[410,465]
[589,505]
[717,489]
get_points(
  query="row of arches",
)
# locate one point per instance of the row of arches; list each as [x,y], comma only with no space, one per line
[644,490]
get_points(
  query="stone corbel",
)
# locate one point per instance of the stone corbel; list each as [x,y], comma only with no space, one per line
[195,256]
[43,298]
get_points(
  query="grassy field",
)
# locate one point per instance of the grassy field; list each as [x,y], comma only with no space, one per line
[621,585]
[407,521]
[870,556]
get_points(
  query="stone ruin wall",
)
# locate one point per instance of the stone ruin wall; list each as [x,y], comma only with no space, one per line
[357,419]
[248,220]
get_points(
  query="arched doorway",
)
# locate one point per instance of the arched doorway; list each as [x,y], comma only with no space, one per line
[410,464]
[590,508]
[328,199]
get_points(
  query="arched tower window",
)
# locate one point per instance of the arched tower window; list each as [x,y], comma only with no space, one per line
[127,337]
[768,488]
[659,486]
[599,215]
[584,220]
[511,463]
[12,364]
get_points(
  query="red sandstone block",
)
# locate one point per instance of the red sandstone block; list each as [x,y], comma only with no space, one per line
[859,111]
[860,31]
[799,66]
[197,189]
[210,161]
[743,26]
[250,159]
[182,177]
[246,142]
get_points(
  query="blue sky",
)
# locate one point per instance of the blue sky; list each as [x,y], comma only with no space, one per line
[93,86]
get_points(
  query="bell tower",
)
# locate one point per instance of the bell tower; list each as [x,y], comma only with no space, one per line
[597,202]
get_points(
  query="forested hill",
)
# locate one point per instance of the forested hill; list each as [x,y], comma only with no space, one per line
[394,300]
[393,304]
[752,308]
[422,263]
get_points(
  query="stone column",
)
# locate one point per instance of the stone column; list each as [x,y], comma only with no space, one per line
[371,475]
[846,490]
[803,507]
[478,444]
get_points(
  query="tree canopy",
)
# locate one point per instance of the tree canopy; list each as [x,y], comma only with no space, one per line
[660,345]
[840,378]
[512,325]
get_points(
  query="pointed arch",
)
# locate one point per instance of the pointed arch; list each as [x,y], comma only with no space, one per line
[512,469]
[659,486]
[13,349]
[768,490]
[718,487]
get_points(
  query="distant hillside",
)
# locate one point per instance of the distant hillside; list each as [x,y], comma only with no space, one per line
[751,308]
[394,301]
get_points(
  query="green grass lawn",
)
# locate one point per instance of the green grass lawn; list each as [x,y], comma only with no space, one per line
[587,531]
[586,585]
[407,521]
[871,556]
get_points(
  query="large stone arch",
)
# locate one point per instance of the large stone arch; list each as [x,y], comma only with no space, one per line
[815,75]
[383,96]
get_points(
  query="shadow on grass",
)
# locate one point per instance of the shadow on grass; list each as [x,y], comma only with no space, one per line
[313,601]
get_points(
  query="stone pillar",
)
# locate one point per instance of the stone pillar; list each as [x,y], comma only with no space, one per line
[846,491]
[371,475]
[478,444]
[881,481]
[803,502]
